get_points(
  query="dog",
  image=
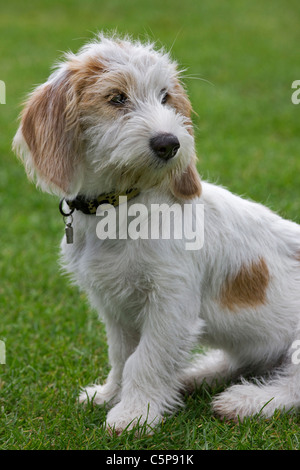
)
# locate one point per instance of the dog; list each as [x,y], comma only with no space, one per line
[115,119]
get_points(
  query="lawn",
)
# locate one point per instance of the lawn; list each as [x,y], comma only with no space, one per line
[242,58]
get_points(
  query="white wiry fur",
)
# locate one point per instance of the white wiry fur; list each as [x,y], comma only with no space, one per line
[239,294]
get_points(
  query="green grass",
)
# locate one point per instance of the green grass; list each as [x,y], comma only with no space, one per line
[247,133]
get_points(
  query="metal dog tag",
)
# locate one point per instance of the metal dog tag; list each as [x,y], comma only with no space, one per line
[69,233]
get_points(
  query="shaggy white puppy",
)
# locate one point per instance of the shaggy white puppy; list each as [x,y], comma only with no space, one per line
[115,120]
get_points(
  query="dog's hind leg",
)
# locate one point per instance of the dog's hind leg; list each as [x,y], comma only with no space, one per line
[212,368]
[263,397]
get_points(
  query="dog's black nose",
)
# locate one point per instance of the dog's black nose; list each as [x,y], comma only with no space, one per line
[164,145]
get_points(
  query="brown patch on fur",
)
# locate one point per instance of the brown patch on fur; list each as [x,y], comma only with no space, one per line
[95,98]
[50,127]
[84,77]
[247,288]
[298,256]
[188,184]
[181,103]
[84,72]
[94,85]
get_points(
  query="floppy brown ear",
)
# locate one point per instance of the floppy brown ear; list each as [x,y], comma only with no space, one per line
[188,184]
[48,137]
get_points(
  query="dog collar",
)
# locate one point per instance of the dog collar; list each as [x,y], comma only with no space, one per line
[89,206]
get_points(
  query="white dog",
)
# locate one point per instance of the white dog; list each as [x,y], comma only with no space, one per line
[114,119]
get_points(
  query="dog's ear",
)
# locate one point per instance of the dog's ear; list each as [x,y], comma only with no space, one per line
[188,184]
[48,137]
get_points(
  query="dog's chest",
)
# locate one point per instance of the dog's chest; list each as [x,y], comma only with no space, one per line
[124,276]
[118,270]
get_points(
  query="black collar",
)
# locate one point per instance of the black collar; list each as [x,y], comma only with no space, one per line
[89,206]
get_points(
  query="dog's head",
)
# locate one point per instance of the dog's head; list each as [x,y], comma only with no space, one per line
[114,116]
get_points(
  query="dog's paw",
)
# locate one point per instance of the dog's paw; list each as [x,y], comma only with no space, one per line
[240,401]
[100,394]
[121,418]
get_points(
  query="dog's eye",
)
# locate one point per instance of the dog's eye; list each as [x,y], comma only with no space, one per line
[119,99]
[165,97]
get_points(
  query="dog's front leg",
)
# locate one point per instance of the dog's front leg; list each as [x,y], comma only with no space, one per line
[151,376]
[122,342]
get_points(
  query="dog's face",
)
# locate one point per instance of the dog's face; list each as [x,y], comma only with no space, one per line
[114,116]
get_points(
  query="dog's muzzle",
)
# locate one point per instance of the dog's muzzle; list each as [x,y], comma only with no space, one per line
[164,145]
